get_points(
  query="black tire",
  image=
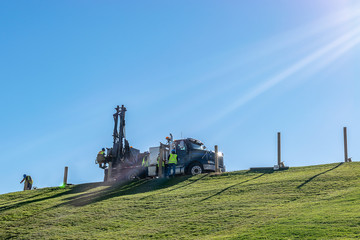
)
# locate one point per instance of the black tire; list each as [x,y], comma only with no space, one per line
[195,169]
[133,175]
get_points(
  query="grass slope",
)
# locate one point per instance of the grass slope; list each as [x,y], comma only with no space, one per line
[319,202]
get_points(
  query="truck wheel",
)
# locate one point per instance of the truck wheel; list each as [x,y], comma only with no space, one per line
[133,175]
[195,169]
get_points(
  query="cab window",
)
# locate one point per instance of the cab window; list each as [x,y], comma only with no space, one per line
[196,146]
[181,146]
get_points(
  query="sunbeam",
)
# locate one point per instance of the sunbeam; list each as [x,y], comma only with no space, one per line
[345,43]
[291,42]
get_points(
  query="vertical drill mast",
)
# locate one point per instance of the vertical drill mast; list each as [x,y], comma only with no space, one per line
[119,134]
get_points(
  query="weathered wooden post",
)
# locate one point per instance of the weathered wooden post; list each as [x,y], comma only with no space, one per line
[345,145]
[109,172]
[279,148]
[160,173]
[65,176]
[216,159]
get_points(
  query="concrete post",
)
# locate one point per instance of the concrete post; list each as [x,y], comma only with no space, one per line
[216,159]
[109,172]
[279,149]
[345,145]
[65,176]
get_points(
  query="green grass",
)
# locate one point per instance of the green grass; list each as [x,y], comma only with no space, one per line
[316,202]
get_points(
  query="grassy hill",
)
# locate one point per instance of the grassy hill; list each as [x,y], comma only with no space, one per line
[319,202]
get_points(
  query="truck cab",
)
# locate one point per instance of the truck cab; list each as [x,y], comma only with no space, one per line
[194,158]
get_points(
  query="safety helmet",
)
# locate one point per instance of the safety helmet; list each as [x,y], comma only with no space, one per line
[103,149]
[173,151]
[24,175]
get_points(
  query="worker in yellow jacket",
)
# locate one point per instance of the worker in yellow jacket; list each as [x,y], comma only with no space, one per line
[162,166]
[172,162]
[28,182]
[145,163]
[100,158]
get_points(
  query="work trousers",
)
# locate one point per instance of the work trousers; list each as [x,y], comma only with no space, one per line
[171,166]
[146,170]
[27,185]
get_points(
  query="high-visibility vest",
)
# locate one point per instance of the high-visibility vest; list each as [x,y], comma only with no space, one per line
[101,153]
[100,158]
[29,179]
[145,162]
[158,159]
[173,158]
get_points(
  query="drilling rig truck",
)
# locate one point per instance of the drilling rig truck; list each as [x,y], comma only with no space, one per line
[123,162]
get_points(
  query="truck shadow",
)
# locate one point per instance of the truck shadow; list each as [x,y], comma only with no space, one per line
[232,186]
[82,194]
[122,189]
[317,175]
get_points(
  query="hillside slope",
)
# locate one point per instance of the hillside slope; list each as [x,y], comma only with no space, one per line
[306,202]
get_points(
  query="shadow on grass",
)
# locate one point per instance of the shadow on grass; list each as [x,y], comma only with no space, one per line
[111,190]
[73,190]
[121,189]
[185,185]
[315,176]
[225,189]
[192,182]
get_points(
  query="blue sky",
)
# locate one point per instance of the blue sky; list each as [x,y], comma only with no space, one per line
[231,73]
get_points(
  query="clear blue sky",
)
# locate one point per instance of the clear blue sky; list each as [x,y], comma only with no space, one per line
[231,73]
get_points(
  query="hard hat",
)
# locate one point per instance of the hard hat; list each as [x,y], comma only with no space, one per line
[103,149]
[24,175]
[173,151]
